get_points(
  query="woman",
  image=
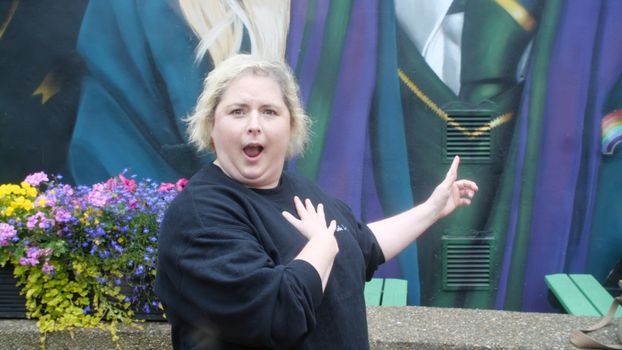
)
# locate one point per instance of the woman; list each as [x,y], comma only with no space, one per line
[251,256]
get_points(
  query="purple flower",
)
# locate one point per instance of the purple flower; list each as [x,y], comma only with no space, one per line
[32,256]
[7,232]
[117,247]
[39,220]
[62,215]
[36,178]
[36,253]
[67,190]
[99,232]
[28,261]
[47,268]
[48,200]
[115,220]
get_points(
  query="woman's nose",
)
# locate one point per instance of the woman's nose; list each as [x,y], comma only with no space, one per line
[254,126]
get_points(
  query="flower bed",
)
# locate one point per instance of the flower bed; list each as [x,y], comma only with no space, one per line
[83,254]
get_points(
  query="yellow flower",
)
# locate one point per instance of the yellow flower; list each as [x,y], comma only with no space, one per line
[21,202]
[8,189]
[25,203]
[25,185]
[32,192]
[9,211]
[42,201]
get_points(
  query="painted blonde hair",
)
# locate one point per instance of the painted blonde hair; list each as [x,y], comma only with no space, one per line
[219,25]
[201,121]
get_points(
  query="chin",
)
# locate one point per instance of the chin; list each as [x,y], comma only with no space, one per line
[258,181]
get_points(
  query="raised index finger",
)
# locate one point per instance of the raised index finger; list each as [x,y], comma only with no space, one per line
[452,173]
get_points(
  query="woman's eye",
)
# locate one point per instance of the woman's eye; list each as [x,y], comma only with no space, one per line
[270,112]
[237,112]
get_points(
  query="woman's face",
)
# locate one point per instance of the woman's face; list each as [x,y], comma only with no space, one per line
[251,131]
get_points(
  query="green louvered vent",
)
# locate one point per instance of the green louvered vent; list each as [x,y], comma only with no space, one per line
[466,263]
[468,135]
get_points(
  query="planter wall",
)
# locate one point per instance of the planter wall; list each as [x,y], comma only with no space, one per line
[12,304]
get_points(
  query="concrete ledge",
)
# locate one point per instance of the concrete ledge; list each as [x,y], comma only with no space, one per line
[448,328]
[408,327]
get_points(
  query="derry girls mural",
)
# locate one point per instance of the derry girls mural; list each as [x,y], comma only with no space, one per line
[528,93]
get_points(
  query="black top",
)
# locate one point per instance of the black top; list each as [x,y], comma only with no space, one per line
[227,277]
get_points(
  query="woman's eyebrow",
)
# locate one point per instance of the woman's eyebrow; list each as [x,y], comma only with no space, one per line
[235,104]
[273,106]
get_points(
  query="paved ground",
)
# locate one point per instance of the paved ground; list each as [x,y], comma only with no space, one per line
[448,328]
[389,328]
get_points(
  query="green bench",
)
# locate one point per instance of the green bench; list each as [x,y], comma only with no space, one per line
[386,292]
[580,294]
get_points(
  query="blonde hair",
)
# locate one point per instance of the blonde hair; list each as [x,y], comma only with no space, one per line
[219,25]
[201,121]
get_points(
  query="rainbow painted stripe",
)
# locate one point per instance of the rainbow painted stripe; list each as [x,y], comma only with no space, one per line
[611,128]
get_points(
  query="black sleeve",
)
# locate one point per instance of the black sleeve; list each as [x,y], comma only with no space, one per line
[366,239]
[226,278]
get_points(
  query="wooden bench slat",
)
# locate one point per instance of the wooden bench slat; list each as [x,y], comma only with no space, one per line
[373,291]
[394,292]
[569,295]
[594,292]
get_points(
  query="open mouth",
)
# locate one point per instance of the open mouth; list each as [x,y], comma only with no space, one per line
[253,151]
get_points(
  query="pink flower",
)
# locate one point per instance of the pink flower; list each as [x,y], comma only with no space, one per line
[7,232]
[36,178]
[111,183]
[98,195]
[180,184]
[132,203]
[165,186]
[130,185]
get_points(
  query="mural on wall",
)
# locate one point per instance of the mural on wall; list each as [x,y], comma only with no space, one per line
[40,73]
[528,92]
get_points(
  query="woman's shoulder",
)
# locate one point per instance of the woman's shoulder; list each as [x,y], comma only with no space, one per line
[208,189]
[303,186]
[299,181]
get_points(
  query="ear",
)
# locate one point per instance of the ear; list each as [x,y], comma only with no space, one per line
[210,139]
